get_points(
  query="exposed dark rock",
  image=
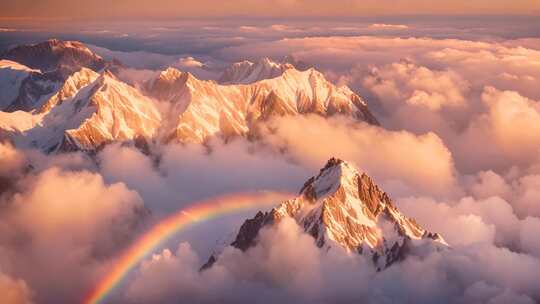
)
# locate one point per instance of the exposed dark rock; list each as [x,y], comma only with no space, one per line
[342,207]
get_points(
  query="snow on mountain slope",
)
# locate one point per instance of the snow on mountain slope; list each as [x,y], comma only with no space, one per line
[36,89]
[197,110]
[52,54]
[246,72]
[202,109]
[341,207]
[56,61]
[103,111]
[18,121]
[70,88]
[12,75]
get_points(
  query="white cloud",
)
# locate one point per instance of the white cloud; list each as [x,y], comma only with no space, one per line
[421,161]
[286,266]
[14,291]
[66,225]
[507,134]
[458,89]
[385,26]
[460,154]
[529,235]
[11,160]
[416,86]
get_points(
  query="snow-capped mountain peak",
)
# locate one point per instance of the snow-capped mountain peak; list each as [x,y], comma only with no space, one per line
[170,74]
[71,86]
[201,109]
[246,72]
[51,54]
[91,110]
[49,64]
[55,75]
[342,207]
[335,174]
[8,64]
[12,75]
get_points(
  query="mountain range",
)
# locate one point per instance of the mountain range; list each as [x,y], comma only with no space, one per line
[60,96]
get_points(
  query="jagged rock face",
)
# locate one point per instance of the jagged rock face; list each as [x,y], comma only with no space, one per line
[68,105]
[19,120]
[341,207]
[70,88]
[25,89]
[202,109]
[47,66]
[85,117]
[12,76]
[297,63]
[246,72]
[37,88]
[121,113]
[54,53]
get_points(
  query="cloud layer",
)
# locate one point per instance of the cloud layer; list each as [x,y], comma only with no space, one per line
[458,151]
[286,266]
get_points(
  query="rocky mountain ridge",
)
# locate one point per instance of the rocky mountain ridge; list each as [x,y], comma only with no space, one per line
[43,69]
[201,109]
[342,207]
[71,99]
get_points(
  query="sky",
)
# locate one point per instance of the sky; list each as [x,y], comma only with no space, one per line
[208,36]
[159,9]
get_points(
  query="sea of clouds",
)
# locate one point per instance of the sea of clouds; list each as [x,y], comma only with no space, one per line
[458,149]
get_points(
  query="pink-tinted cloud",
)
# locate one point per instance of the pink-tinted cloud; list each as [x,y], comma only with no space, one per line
[421,161]
[14,291]
[65,225]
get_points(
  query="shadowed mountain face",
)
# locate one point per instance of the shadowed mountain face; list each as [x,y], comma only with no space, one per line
[341,207]
[46,66]
[52,54]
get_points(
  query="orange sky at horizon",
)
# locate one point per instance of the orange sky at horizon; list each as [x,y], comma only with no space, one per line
[99,9]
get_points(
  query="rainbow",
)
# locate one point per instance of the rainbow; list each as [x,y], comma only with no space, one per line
[199,211]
